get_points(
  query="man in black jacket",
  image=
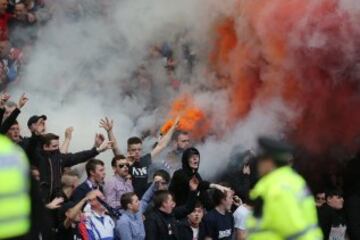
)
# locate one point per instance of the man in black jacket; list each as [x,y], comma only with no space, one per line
[162,221]
[52,163]
[193,228]
[332,216]
[179,184]
[95,171]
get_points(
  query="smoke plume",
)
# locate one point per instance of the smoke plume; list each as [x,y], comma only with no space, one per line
[288,69]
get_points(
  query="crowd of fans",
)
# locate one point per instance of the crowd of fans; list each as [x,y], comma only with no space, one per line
[174,203]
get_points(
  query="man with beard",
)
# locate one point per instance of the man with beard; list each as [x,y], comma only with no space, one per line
[52,163]
[173,159]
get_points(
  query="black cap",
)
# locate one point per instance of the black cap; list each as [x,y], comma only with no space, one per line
[280,152]
[34,119]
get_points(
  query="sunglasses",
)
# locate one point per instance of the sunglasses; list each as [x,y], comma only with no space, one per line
[123,165]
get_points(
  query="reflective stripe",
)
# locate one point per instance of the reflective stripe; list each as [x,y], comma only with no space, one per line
[257,230]
[9,220]
[301,233]
[291,237]
[19,193]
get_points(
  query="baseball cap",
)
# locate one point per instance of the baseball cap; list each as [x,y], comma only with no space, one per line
[279,151]
[34,119]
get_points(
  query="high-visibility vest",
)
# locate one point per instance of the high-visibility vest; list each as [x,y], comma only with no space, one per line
[14,190]
[287,208]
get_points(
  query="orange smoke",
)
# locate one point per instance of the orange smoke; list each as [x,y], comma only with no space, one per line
[192,119]
[304,52]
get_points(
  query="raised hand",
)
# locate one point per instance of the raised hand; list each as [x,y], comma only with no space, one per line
[68,132]
[106,124]
[237,200]
[93,194]
[99,139]
[22,101]
[3,99]
[105,145]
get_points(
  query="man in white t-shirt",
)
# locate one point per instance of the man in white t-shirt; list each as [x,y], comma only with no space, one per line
[240,216]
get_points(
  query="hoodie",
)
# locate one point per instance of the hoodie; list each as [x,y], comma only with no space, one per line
[179,185]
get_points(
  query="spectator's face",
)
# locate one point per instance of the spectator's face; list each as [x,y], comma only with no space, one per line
[96,205]
[14,133]
[196,216]
[39,126]
[320,199]
[135,204]
[135,151]
[122,168]
[168,205]
[194,161]
[228,201]
[75,182]
[4,46]
[336,202]
[183,142]
[20,12]
[161,183]
[52,146]
[99,174]
[3,6]
[8,111]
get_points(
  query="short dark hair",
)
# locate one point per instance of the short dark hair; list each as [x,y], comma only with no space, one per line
[91,165]
[199,204]
[162,173]
[218,196]
[177,133]
[117,157]
[133,140]
[160,197]
[48,137]
[333,192]
[126,199]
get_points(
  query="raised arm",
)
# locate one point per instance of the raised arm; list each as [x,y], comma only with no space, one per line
[146,199]
[3,99]
[12,118]
[165,140]
[108,124]
[71,159]
[73,212]
[68,135]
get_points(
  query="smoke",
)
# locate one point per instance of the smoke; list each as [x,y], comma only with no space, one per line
[288,69]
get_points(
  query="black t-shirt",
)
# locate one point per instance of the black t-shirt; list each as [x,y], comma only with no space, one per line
[218,226]
[332,222]
[139,172]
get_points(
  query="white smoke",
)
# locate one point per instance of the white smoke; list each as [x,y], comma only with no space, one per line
[82,69]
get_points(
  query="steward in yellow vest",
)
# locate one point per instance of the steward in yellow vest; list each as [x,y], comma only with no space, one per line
[14,190]
[284,207]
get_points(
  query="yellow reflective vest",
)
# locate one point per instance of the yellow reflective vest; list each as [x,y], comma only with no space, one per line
[288,209]
[14,190]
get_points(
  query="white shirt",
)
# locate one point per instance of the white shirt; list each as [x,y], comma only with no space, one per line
[240,216]
[195,233]
[99,226]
